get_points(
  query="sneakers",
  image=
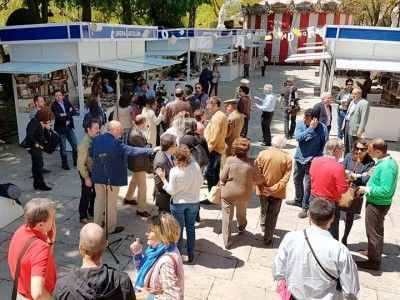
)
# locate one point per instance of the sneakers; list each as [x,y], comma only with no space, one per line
[293,203]
[144,214]
[368,265]
[84,221]
[303,214]
[65,167]
[130,202]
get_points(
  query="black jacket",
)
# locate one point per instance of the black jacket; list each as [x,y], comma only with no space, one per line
[321,113]
[102,282]
[161,196]
[34,133]
[192,140]
[60,122]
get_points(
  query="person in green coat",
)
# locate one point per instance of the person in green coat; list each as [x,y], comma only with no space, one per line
[379,193]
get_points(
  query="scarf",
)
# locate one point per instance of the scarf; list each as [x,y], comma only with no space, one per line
[151,255]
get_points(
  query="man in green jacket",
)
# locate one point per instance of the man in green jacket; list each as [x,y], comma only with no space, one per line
[379,193]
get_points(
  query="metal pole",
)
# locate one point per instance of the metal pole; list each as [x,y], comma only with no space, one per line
[118,86]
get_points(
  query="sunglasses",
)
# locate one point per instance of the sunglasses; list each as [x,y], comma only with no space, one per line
[360,149]
[349,84]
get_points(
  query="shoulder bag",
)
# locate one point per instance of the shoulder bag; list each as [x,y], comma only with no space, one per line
[18,267]
[198,153]
[215,194]
[338,286]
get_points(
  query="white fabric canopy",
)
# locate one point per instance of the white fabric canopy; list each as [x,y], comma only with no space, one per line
[308,56]
[32,67]
[368,65]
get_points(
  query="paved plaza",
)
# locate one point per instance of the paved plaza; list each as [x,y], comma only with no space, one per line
[243,272]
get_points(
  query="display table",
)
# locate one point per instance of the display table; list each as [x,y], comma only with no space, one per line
[229,73]
[389,129]
[170,84]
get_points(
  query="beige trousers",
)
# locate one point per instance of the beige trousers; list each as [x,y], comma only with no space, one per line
[99,205]
[138,180]
[227,217]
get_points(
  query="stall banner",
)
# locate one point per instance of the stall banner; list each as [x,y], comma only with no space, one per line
[288,31]
[98,31]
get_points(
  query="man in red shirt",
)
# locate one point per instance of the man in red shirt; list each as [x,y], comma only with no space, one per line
[328,178]
[37,277]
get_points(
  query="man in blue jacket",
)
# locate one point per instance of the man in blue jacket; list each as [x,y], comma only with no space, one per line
[110,150]
[311,136]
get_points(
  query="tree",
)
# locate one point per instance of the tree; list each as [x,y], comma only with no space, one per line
[38,9]
[86,11]
[127,16]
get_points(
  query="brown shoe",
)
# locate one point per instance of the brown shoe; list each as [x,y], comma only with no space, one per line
[144,214]
[84,221]
[130,202]
[368,265]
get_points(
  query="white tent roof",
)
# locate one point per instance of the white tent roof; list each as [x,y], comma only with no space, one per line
[368,65]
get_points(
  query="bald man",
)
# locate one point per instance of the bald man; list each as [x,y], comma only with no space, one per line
[109,172]
[94,280]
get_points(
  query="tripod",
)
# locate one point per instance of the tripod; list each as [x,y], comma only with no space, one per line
[108,184]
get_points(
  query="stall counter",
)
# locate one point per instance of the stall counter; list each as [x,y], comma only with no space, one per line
[229,73]
[390,130]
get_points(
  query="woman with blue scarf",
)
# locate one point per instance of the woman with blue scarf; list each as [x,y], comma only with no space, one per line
[160,268]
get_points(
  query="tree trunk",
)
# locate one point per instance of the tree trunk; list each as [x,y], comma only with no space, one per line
[45,11]
[126,12]
[192,17]
[86,11]
[3,58]
[33,6]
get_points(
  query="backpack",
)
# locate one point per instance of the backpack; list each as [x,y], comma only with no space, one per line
[199,155]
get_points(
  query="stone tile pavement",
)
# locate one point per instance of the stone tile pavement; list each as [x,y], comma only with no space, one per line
[244,272]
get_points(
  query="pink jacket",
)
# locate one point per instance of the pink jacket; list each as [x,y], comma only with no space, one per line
[168,276]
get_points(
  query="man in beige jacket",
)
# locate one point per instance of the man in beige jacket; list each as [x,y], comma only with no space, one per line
[235,124]
[215,134]
[84,166]
[275,165]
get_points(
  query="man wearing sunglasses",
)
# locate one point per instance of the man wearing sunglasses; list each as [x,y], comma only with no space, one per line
[343,99]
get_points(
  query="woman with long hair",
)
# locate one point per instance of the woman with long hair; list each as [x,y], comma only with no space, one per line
[36,131]
[122,113]
[160,268]
[185,181]
[237,179]
[358,166]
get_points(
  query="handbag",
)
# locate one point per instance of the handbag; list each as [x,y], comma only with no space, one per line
[215,194]
[348,197]
[338,286]
[51,142]
[18,267]
[283,291]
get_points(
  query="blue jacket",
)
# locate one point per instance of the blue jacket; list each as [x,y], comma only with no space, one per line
[114,160]
[311,141]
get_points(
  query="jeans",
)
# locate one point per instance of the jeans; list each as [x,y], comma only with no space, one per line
[302,183]
[340,119]
[243,133]
[212,170]
[266,119]
[125,135]
[213,86]
[37,164]
[289,130]
[185,214]
[86,203]
[70,136]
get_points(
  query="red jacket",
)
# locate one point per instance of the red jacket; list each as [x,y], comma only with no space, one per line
[328,179]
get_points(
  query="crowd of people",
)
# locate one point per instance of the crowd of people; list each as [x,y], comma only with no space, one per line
[175,143]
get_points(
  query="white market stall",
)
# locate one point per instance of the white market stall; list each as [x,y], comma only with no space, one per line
[376,49]
[45,57]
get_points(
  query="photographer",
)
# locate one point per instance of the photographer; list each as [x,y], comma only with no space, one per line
[139,165]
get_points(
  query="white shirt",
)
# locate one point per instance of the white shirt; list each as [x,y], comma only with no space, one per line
[268,104]
[305,279]
[184,184]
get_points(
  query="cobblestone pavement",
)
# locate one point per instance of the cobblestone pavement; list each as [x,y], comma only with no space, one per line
[244,272]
